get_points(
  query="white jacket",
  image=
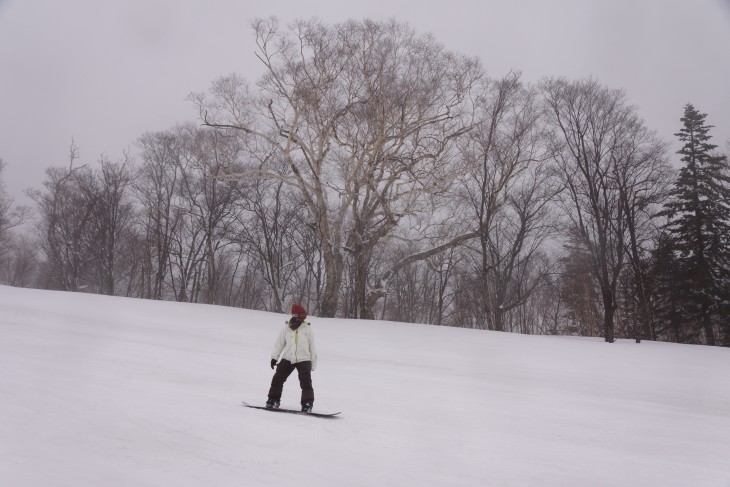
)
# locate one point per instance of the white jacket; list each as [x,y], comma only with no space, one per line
[296,345]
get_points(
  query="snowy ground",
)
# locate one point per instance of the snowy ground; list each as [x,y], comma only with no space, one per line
[98,391]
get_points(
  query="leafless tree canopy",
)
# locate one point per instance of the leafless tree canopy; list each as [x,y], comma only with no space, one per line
[364,117]
[372,173]
[613,170]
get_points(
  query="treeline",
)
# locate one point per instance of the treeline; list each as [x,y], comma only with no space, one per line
[371,173]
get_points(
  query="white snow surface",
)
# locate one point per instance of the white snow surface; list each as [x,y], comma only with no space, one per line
[104,391]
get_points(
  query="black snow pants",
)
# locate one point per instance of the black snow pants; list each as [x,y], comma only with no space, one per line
[283,371]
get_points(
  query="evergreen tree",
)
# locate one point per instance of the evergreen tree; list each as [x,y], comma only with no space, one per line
[699,229]
[668,302]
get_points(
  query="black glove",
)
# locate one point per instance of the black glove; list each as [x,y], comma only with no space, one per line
[273,363]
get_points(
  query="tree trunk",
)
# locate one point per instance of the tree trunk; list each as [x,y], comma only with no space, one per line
[210,287]
[364,307]
[333,281]
[609,310]
[707,325]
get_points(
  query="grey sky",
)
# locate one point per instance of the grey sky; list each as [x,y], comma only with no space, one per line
[104,72]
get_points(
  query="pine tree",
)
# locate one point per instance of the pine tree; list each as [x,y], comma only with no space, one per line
[668,302]
[699,227]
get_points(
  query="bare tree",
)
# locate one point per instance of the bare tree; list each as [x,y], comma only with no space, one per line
[518,264]
[10,217]
[364,115]
[210,199]
[508,188]
[578,289]
[107,191]
[131,259]
[598,142]
[589,124]
[411,291]
[85,214]
[19,261]
[5,207]
[155,187]
[444,266]
[64,212]
[549,304]
[270,226]
[643,177]
[187,255]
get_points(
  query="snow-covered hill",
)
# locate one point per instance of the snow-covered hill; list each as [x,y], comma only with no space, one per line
[98,391]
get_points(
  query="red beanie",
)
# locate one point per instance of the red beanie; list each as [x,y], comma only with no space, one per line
[299,311]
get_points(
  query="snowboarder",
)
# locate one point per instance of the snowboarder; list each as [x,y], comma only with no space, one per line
[295,347]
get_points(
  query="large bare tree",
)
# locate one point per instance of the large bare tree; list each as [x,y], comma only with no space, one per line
[643,178]
[604,154]
[508,187]
[364,115]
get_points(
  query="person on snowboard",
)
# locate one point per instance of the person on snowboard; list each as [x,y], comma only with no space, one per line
[295,347]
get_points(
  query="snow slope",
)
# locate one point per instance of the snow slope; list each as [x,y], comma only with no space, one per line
[100,391]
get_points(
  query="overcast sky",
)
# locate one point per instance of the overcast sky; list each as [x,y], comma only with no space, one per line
[104,72]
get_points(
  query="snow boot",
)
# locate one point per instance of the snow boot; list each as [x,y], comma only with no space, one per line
[272,404]
[306,407]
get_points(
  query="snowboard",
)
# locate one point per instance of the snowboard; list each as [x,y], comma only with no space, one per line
[292,411]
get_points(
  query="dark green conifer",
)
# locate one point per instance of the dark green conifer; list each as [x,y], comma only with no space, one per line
[699,228]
